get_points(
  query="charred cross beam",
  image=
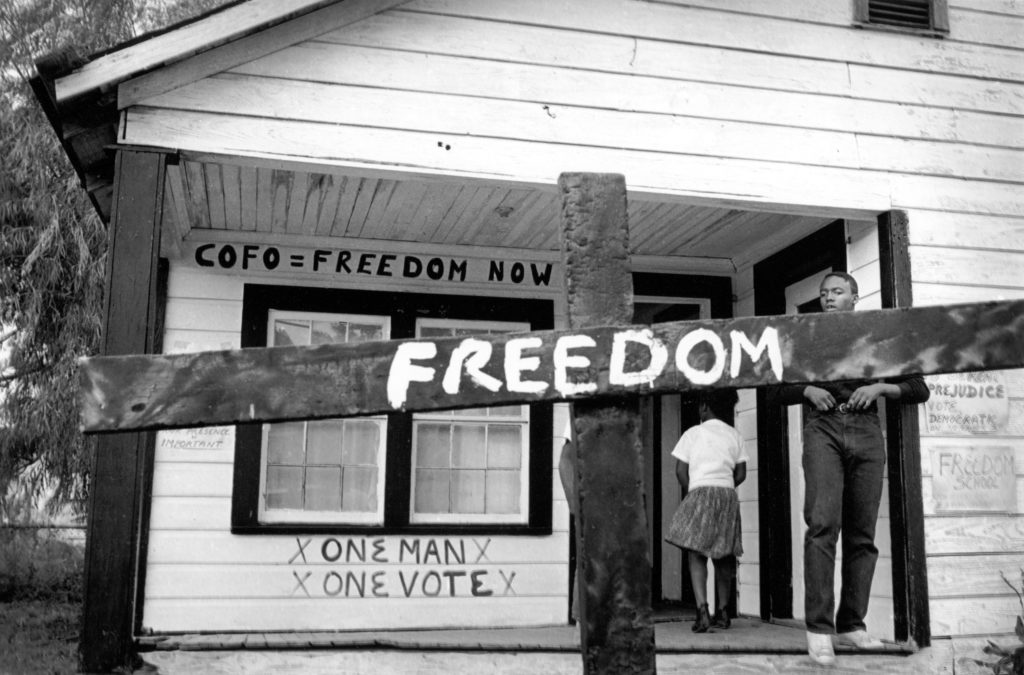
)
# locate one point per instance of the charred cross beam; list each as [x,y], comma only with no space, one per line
[600,363]
[271,384]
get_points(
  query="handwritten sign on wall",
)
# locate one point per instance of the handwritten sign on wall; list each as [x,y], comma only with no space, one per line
[362,567]
[347,263]
[203,438]
[971,478]
[964,404]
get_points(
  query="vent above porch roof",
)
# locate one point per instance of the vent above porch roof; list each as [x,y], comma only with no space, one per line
[913,15]
[909,13]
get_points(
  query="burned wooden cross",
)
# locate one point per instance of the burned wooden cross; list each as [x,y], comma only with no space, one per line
[600,363]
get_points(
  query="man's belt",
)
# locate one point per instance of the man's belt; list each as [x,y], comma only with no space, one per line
[845,408]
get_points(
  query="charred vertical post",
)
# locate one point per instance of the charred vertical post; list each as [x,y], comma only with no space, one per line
[614,572]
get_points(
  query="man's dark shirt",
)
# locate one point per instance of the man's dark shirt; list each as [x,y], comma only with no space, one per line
[912,390]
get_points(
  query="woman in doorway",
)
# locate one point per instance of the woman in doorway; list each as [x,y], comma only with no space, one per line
[711,464]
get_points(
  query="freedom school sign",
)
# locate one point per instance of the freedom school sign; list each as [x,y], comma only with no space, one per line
[282,383]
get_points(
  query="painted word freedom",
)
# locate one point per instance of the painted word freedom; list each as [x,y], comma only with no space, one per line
[572,358]
[341,380]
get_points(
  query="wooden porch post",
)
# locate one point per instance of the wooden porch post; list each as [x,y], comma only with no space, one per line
[903,451]
[616,624]
[119,463]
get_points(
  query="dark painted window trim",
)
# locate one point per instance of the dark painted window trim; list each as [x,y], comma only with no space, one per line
[404,309]
[938,28]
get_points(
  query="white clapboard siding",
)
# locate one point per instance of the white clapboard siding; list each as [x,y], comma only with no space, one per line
[911,192]
[973,266]
[968,256]
[987,616]
[774,106]
[675,61]
[550,85]
[747,63]
[937,228]
[195,566]
[574,125]
[179,447]
[347,614]
[218,547]
[974,534]
[931,443]
[281,581]
[951,293]
[698,178]
[928,497]
[202,314]
[193,479]
[947,577]
[450,30]
[738,31]
[981,21]
[179,341]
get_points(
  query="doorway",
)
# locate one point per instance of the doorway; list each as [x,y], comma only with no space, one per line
[661,298]
[784,283]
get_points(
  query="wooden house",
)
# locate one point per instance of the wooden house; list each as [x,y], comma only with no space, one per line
[305,171]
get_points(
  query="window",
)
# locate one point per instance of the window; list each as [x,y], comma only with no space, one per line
[323,470]
[919,16]
[468,464]
[477,470]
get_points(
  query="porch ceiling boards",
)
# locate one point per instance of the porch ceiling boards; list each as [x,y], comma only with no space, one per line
[280,201]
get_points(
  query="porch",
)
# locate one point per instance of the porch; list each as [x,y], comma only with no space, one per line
[749,646]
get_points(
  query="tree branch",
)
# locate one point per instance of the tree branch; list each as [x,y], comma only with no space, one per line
[39,367]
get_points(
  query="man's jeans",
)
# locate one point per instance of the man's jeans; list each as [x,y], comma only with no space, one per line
[844,459]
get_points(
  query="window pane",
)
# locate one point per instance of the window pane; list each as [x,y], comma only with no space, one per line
[323,488]
[359,491]
[431,491]
[433,445]
[290,332]
[361,440]
[285,443]
[468,491]
[323,442]
[469,449]
[329,332]
[502,492]
[284,487]
[358,332]
[434,331]
[504,446]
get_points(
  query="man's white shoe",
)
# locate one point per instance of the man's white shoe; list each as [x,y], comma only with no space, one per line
[860,639]
[819,647]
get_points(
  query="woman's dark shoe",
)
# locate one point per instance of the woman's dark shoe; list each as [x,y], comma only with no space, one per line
[721,619]
[702,622]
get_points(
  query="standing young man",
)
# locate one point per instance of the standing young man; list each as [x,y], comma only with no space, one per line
[844,461]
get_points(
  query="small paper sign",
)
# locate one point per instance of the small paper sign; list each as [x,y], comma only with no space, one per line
[965,404]
[204,438]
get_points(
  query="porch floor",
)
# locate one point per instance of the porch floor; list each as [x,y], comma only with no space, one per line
[749,646]
[672,636]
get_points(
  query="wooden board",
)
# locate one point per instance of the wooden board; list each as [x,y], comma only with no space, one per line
[280,383]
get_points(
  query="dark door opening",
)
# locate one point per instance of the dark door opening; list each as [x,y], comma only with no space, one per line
[825,249]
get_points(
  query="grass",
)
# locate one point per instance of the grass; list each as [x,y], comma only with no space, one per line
[40,603]
[39,636]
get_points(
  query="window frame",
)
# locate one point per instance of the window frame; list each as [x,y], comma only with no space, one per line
[938,20]
[282,515]
[403,309]
[447,417]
